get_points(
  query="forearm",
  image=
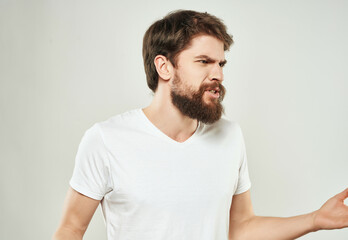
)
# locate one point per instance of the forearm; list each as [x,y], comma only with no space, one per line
[66,233]
[274,228]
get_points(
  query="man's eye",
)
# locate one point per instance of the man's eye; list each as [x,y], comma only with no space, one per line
[203,61]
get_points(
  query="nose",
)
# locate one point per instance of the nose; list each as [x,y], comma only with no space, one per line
[216,73]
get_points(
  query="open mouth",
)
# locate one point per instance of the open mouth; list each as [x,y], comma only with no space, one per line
[215,93]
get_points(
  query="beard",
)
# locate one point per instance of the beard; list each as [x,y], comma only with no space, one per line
[192,104]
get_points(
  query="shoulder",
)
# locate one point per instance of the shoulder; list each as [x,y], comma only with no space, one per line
[224,124]
[223,131]
[119,121]
[116,122]
[116,128]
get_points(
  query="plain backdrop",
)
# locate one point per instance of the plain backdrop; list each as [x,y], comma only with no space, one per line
[67,64]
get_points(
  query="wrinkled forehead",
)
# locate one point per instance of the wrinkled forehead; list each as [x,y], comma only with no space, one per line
[204,45]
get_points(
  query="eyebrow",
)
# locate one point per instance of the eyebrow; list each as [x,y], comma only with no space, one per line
[209,59]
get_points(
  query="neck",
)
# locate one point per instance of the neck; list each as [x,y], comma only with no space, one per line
[167,118]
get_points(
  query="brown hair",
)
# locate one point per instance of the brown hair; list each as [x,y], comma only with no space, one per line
[172,34]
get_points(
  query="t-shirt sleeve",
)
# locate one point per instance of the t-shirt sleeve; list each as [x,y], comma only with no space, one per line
[91,176]
[244,183]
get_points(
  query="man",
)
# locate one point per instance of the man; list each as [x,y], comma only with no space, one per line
[177,169]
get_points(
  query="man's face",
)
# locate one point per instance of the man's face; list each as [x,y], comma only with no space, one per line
[196,88]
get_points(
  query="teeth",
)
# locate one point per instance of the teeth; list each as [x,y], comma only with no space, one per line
[212,91]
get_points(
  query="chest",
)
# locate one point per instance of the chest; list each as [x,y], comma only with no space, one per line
[156,175]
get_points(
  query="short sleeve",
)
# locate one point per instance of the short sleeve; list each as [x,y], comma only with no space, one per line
[244,183]
[91,176]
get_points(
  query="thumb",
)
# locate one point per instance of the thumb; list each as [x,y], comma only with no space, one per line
[343,195]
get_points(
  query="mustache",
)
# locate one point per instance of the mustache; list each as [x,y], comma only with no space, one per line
[213,85]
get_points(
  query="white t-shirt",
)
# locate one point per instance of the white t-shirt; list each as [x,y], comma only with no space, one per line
[152,187]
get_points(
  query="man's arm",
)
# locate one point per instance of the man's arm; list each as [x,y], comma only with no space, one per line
[78,212]
[245,225]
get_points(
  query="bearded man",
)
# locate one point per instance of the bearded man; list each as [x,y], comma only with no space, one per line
[177,169]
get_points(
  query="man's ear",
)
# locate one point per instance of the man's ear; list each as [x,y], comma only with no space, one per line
[164,67]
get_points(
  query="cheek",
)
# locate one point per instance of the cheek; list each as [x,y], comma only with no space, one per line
[195,75]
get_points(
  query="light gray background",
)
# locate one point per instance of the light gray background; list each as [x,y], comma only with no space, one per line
[65,65]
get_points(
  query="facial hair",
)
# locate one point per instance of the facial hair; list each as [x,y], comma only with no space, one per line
[192,104]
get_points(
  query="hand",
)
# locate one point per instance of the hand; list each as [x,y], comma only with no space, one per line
[333,214]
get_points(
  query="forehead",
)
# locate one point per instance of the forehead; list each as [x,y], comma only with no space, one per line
[204,45]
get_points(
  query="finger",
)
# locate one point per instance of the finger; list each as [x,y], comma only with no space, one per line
[343,195]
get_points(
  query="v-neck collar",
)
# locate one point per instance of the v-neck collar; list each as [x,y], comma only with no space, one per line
[164,136]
